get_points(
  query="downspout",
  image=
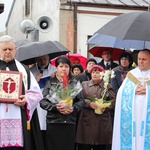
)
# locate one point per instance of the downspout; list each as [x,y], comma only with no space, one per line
[75,28]
[11,9]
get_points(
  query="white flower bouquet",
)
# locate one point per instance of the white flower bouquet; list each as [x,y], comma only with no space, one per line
[102,102]
[64,93]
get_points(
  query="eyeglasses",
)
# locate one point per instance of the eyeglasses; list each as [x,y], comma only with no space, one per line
[106,54]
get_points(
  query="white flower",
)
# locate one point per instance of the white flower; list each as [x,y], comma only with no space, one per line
[101,75]
[106,77]
[112,74]
[105,85]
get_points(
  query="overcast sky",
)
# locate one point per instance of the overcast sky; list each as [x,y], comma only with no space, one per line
[4,15]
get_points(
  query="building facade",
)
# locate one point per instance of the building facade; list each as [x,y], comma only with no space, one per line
[74,21]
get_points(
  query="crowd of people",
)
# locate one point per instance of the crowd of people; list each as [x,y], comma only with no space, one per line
[63,107]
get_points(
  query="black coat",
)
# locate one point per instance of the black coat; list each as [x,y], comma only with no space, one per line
[112,65]
[53,115]
[84,76]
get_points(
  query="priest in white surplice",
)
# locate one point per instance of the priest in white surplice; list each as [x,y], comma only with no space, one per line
[19,124]
[132,112]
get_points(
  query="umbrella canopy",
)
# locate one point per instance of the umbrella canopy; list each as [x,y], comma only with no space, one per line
[22,42]
[28,52]
[110,41]
[130,26]
[97,51]
[130,30]
[75,59]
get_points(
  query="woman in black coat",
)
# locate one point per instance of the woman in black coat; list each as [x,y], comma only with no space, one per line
[61,119]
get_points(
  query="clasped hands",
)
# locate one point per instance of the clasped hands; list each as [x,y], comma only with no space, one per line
[63,109]
[140,89]
[21,101]
[94,106]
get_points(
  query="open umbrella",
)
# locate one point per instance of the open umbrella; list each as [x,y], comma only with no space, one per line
[28,52]
[130,30]
[22,42]
[97,51]
[75,59]
[110,41]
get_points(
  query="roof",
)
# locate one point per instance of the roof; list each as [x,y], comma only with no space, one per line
[1,8]
[145,3]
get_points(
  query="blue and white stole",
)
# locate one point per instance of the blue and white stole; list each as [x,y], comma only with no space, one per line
[127,121]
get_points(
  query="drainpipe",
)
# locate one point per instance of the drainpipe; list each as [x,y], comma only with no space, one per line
[75,28]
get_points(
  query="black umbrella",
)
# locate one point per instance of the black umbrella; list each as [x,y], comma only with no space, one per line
[129,26]
[129,30]
[27,53]
[22,42]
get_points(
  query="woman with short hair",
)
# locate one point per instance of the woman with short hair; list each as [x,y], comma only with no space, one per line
[61,120]
[94,131]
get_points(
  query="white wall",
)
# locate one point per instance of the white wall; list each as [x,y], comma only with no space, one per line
[88,24]
[39,8]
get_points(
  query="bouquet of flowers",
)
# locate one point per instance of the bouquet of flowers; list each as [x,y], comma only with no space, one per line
[64,93]
[102,102]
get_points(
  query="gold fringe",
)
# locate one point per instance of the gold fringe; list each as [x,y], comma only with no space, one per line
[133,78]
[28,125]
[147,80]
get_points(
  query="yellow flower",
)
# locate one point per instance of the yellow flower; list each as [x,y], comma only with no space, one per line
[100,103]
[67,102]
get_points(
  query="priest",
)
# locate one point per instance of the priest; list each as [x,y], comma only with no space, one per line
[132,112]
[19,126]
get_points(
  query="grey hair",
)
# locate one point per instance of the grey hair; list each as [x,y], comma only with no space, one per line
[6,38]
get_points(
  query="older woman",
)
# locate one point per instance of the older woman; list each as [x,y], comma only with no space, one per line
[61,120]
[94,131]
[125,65]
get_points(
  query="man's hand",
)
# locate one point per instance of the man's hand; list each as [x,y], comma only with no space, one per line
[38,77]
[140,90]
[21,101]
[52,74]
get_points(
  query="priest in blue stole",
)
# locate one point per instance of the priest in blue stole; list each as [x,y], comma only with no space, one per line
[132,111]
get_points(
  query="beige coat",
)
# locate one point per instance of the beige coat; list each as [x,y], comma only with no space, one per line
[93,128]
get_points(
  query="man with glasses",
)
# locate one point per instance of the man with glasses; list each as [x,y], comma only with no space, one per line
[107,62]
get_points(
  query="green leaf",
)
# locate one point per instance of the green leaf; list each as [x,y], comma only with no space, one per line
[107,101]
[92,98]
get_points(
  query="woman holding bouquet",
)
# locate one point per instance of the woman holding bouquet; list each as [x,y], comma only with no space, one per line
[94,130]
[62,100]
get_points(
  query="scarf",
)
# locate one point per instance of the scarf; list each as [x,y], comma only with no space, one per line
[123,72]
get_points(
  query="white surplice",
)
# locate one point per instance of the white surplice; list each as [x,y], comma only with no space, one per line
[11,133]
[41,112]
[136,138]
